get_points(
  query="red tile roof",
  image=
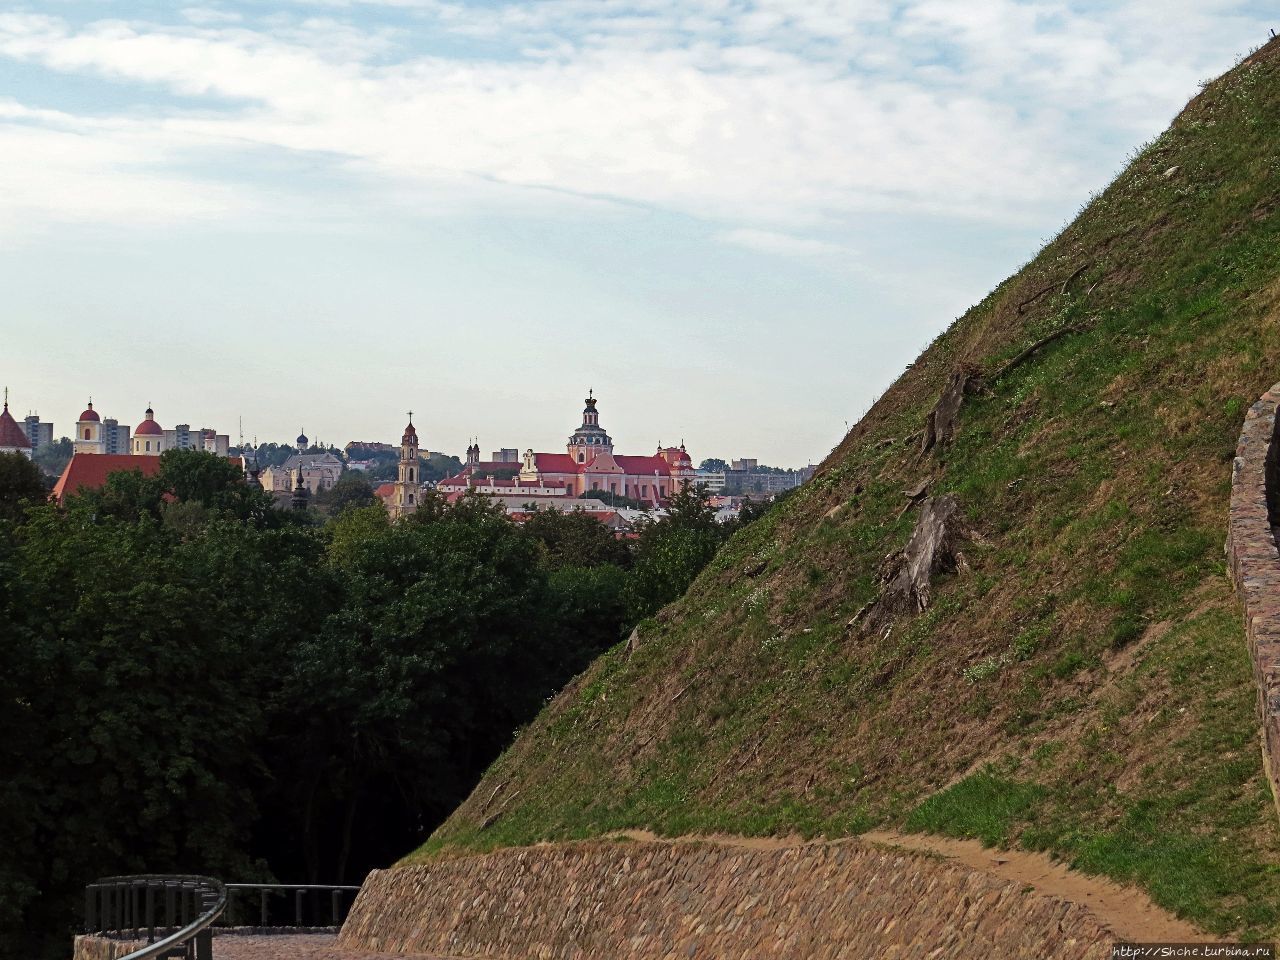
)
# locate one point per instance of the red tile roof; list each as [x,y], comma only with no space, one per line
[88,471]
[11,434]
[384,491]
[148,428]
[90,415]
[555,463]
[644,466]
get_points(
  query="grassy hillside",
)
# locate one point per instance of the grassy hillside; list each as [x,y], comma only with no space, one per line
[1081,684]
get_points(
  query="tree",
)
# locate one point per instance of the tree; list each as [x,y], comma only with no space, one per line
[431,660]
[615,499]
[352,491]
[52,458]
[672,551]
[21,484]
[573,538]
[713,465]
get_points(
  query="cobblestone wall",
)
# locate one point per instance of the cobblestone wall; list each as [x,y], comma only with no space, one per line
[627,901]
[1255,565]
[97,947]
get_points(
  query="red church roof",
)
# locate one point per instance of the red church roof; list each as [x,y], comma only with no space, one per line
[88,471]
[149,428]
[644,466]
[555,463]
[90,415]
[11,434]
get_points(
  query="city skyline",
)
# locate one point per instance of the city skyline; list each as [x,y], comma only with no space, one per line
[739,221]
[64,427]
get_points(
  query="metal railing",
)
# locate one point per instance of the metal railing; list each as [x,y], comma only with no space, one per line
[177,913]
[181,909]
[300,891]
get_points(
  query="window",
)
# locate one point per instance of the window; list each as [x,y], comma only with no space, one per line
[148,446]
[86,433]
[411,474]
[581,457]
[411,498]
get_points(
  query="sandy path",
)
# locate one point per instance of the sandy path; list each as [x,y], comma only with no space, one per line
[1126,910]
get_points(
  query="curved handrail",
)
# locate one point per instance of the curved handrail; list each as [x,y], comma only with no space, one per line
[210,911]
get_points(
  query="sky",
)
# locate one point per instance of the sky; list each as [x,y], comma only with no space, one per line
[737,221]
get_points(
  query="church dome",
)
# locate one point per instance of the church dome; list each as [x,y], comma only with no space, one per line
[149,427]
[302,441]
[90,415]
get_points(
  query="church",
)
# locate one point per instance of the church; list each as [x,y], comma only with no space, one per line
[588,464]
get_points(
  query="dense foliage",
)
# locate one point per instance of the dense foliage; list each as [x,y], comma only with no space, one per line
[196,680]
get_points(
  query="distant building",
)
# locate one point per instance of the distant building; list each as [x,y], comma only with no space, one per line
[12,437]
[88,432]
[39,433]
[319,471]
[506,455]
[589,464]
[713,480]
[408,486]
[182,437]
[90,471]
[115,436]
[745,464]
[149,438]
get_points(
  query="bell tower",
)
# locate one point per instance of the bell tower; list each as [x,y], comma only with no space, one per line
[589,440]
[89,432]
[408,478]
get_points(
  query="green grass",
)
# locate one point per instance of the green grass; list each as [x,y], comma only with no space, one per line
[984,806]
[1089,659]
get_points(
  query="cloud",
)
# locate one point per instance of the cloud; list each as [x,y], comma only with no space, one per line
[785,244]
[769,117]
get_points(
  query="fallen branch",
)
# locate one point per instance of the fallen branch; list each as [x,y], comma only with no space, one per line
[490,820]
[1029,351]
[496,791]
[1067,282]
[1045,289]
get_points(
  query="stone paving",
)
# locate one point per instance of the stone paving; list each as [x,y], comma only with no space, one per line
[317,946]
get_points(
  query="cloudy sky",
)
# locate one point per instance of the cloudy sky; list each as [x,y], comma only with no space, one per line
[736,220]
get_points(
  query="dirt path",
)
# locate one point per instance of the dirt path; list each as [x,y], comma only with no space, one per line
[1126,910]
[310,946]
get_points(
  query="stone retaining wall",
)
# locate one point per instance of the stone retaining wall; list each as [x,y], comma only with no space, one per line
[644,901]
[1255,564]
[96,946]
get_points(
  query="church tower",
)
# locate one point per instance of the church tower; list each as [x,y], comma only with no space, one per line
[89,432]
[589,440]
[408,481]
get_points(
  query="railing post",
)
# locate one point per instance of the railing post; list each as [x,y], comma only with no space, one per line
[297,908]
[263,902]
[170,904]
[89,894]
[335,899]
[151,912]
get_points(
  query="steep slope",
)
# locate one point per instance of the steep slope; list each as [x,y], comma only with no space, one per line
[1080,683]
